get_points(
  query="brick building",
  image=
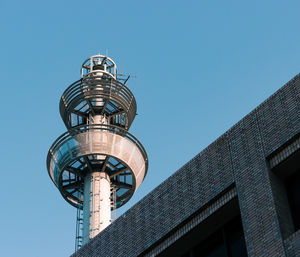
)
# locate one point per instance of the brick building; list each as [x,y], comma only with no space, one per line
[238,197]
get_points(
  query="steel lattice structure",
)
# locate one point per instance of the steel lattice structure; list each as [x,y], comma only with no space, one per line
[97,164]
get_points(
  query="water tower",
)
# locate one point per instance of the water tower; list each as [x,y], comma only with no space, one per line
[97,164]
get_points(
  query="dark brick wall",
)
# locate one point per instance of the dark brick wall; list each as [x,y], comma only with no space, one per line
[254,191]
[292,245]
[238,156]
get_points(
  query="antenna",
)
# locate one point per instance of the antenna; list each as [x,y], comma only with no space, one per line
[97,164]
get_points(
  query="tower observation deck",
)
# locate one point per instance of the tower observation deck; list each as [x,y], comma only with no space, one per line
[97,164]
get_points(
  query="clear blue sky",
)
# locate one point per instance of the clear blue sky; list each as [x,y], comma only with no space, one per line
[200,66]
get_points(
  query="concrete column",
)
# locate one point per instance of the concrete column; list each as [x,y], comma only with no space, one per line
[96,202]
[97,206]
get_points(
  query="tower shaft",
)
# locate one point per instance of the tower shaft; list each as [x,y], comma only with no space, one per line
[96,204]
[96,197]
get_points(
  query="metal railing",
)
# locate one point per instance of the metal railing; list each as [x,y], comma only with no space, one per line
[65,138]
[96,87]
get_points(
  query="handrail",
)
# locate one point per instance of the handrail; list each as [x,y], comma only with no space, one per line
[98,88]
[92,84]
[86,128]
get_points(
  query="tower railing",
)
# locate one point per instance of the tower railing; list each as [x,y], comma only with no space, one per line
[83,92]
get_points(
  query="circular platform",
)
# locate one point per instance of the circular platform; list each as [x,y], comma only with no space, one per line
[96,95]
[89,148]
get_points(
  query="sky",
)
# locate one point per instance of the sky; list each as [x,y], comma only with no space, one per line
[198,68]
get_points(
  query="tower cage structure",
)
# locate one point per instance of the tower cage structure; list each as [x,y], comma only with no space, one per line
[97,165]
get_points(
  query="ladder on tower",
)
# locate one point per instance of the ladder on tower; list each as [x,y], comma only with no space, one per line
[113,202]
[79,218]
[79,229]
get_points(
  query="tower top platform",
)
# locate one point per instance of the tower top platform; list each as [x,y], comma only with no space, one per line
[99,64]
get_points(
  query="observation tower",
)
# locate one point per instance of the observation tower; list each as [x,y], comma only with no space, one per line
[97,164]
